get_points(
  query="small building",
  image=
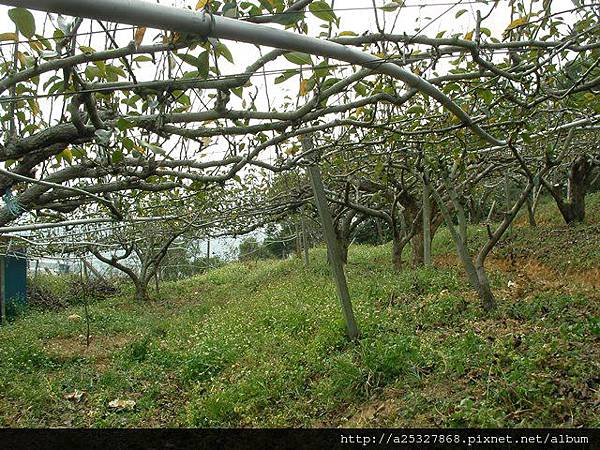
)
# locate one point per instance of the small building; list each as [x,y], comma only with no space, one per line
[13,283]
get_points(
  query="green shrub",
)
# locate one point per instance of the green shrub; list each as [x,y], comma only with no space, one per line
[392,357]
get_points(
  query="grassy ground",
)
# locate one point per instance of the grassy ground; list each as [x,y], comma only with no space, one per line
[262,344]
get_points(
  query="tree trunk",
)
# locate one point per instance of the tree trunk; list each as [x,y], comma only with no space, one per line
[344,244]
[573,209]
[141,291]
[380,238]
[418,249]
[531,211]
[476,274]
[488,302]
[298,242]
[507,197]
[578,184]
[397,248]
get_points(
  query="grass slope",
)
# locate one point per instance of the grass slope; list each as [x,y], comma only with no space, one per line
[262,344]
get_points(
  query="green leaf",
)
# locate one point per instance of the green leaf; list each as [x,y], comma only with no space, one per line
[526,138]
[190,59]
[239,91]
[24,21]
[124,124]
[142,58]
[86,50]
[191,74]
[78,152]
[221,49]
[487,96]
[115,69]
[230,10]
[322,70]
[361,89]
[117,156]
[127,143]
[92,72]
[416,109]
[152,147]
[203,64]
[323,11]
[390,7]
[288,18]
[67,155]
[299,58]
[286,76]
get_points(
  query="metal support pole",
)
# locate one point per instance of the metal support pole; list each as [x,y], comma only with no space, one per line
[153,15]
[335,260]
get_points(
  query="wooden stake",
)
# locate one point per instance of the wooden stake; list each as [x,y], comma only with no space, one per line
[304,237]
[426,221]
[335,261]
[92,269]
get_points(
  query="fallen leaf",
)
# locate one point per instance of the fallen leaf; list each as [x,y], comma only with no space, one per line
[74,317]
[75,396]
[121,404]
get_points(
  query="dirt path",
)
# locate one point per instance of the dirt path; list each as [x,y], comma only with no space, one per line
[531,273]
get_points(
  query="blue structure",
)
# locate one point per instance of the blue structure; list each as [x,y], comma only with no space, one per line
[13,283]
